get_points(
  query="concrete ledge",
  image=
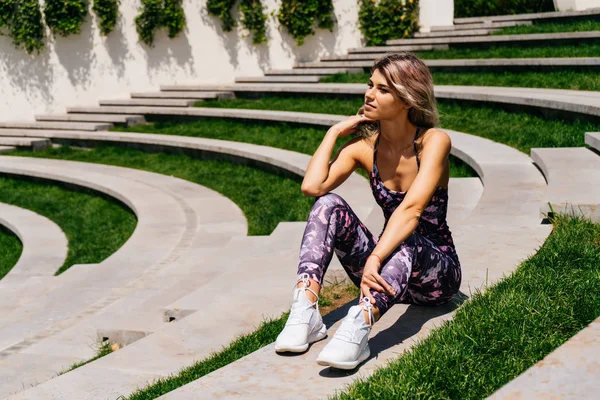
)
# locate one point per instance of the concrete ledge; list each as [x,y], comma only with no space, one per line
[570,372]
[74,126]
[540,38]
[45,245]
[147,103]
[545,16]
[115,119]
[26,143]
[182,95]
[573,176]
[323,71]
[480,25]
[7,149]
[279,79]
[457,33]
[592,139]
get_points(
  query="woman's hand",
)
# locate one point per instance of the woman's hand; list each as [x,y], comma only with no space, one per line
[372,280]
[348,126]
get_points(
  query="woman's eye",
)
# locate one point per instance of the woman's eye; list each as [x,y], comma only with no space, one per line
[383,90]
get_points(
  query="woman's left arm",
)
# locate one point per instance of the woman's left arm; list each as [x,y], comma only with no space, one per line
[405,219]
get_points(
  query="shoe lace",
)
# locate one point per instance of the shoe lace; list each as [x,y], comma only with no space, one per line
[298,308]
[347,329]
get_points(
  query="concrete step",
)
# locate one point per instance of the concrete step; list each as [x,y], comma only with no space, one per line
[127,120]
[536,38]
[456,33]
[592,139]
[183,95]
[45,245]
[147,103]
[24,142]
[353,57]
[73,126]
[536,17]
[279,79]
[324,71]
[573,176]
[480,25]
[7,149]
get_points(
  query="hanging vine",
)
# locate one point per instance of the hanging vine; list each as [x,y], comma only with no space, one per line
[64,17]
[148,20]
[390,19]
[107,12]
[26,26]
[254,19]
[173,17]
[299,16]
[7,8]
[222,10]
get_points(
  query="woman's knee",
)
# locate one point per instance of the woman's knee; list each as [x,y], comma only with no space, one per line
[330,200]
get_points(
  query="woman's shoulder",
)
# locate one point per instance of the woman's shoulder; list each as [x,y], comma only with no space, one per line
[434,137]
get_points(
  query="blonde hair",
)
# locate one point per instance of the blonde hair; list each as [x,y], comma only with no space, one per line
[410,78]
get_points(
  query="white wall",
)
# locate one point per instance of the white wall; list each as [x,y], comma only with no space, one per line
[435,13]
[564,5]
[84,68]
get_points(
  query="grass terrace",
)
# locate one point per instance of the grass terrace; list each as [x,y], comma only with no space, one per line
[570,80]
[95,226]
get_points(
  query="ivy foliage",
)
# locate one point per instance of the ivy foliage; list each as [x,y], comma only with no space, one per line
[387,19]
[155,14]
[254,19]
[64,17]
[107,12]
[222,10]
[26,25]
[299,16]
[485,8]
[6,12]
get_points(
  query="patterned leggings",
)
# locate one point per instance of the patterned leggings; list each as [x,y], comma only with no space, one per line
[418,271]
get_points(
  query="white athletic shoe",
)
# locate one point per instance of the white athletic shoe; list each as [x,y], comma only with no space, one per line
[349,345]
[304,325]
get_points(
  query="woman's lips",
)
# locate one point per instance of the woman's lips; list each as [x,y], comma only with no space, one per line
[369,107]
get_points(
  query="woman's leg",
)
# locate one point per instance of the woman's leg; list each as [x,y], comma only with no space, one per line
[333,227]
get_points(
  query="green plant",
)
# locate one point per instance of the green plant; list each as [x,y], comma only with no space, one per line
[26,26]
[254,19]
[482,8]
[222,9]
[173,17]
[299,16]
[107,12]
[388,19]
[64,17]
[155,14]
[7,8]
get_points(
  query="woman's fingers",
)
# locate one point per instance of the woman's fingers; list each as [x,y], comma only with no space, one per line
[388,288]
[366,292]
[376,282]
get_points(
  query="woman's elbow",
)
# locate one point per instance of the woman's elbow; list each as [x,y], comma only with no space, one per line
[310,190]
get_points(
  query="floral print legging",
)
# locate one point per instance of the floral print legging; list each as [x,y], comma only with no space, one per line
[418,271]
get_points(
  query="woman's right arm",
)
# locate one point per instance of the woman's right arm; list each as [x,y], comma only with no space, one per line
[322,176]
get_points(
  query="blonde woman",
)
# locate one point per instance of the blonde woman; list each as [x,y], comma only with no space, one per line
[414,259]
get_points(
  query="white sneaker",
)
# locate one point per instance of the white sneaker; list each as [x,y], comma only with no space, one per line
[304,325]
[349,345]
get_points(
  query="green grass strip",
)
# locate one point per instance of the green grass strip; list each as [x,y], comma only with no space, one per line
[551,27]
[104,349]
[583,49]
[519,130]
[500,333]
[95,227]
[570,80]
[280,135]
[244,345]
[11,250]
[265,198]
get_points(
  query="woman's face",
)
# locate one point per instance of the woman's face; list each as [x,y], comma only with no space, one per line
[381,102]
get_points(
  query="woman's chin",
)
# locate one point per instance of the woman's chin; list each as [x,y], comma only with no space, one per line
[371,114]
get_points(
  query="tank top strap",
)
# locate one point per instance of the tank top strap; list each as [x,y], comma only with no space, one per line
[415,147]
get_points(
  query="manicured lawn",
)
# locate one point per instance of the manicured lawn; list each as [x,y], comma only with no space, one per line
[265,198]
[552,27]
[571,80]
[499,334]
[95,226]
[11,250]
[519,130]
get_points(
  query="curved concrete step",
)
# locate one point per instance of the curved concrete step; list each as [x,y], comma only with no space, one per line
[280,79]
[457,33]
[75,126]
[114,119]
[183,95]
[534,38]
[573,176]
[7,149]
[480,25]
[31,143]
[146,103]
[45,245]
[316,71]
[592,139]
[544,16]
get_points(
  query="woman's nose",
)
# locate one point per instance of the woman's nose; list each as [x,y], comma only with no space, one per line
[369,94]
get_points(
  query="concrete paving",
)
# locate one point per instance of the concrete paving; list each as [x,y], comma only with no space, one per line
[74,126]
[544,16]
[535,38]
[113,119]
[45,245]
[573,176]
[570,372]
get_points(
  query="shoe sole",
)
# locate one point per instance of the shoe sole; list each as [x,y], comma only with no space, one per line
[312,338]
[346,364]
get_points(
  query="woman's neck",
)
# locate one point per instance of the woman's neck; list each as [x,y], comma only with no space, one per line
[397,134]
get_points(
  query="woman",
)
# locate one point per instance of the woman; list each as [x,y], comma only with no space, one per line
[414,259]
